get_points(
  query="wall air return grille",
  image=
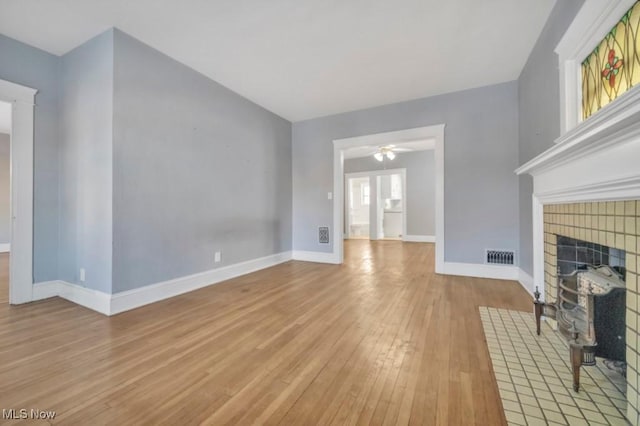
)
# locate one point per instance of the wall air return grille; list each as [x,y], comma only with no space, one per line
[500,257]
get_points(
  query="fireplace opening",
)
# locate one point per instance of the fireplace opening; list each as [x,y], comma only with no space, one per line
[586,263]
[576,255]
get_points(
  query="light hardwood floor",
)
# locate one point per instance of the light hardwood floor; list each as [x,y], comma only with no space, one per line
[378,340]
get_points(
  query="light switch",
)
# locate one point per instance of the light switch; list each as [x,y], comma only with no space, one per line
[330,195]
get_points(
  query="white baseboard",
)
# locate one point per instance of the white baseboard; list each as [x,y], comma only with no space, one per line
[5,248]
[419,238]
[491,271]
[111,304]
[314,256]
[526,281]
[83,296]
[131,299]
[46,289]
[92,299]
[481,270]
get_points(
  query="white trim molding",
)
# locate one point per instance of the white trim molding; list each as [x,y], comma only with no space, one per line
[112,304]
[89,298]
[5,248]
[611,126]
[22,124]
[315,256]
[132,299]
[497,272]
[419,238]
[435,132]
[46,289]
[92,299]
[538,245]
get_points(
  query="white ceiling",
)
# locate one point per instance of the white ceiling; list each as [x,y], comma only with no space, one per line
[398,147]
[308,58]
[5,117]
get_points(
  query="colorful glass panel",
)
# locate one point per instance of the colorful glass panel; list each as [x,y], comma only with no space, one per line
[614,65]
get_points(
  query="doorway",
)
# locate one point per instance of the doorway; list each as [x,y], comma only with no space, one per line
[375,205]
[434,133]
[358,207]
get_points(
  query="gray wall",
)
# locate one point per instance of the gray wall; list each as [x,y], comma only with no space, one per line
[197,169]
[481,153]
[539,111]
[34,68]
[5,189]
[421,186]
[86,163]
[481,128]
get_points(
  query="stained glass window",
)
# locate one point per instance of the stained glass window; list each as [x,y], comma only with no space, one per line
[614,65]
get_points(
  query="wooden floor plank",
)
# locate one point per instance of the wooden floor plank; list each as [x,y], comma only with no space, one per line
[381,339]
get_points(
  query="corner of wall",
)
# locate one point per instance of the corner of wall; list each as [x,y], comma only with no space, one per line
[85,161]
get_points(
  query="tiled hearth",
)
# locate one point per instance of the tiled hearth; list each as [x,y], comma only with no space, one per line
[534,376]
[612,224]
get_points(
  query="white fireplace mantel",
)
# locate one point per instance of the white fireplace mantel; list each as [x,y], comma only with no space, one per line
[597,159]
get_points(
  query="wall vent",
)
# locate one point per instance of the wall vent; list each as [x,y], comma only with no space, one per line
[323,235]
[500,257]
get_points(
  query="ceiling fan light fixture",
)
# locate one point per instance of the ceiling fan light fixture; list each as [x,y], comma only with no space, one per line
[391,155]
[378,156]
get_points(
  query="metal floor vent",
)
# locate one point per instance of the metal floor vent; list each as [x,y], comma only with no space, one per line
[323,235]
[500,257]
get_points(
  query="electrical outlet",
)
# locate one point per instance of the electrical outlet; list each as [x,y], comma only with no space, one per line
[217,257]
[82,275]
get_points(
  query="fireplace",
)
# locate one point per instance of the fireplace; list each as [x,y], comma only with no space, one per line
[586,185]
[590,304]
[577,235]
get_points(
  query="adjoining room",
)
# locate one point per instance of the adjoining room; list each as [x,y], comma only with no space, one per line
[394,194]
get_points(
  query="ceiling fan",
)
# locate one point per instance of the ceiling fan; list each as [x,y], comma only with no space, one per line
[388,151]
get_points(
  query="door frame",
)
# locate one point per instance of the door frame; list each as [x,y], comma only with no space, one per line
[435,132]
[22,101]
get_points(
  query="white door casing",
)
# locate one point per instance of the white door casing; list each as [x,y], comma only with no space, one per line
[22,128]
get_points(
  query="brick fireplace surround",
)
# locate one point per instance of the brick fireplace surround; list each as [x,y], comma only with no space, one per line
[612,224]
